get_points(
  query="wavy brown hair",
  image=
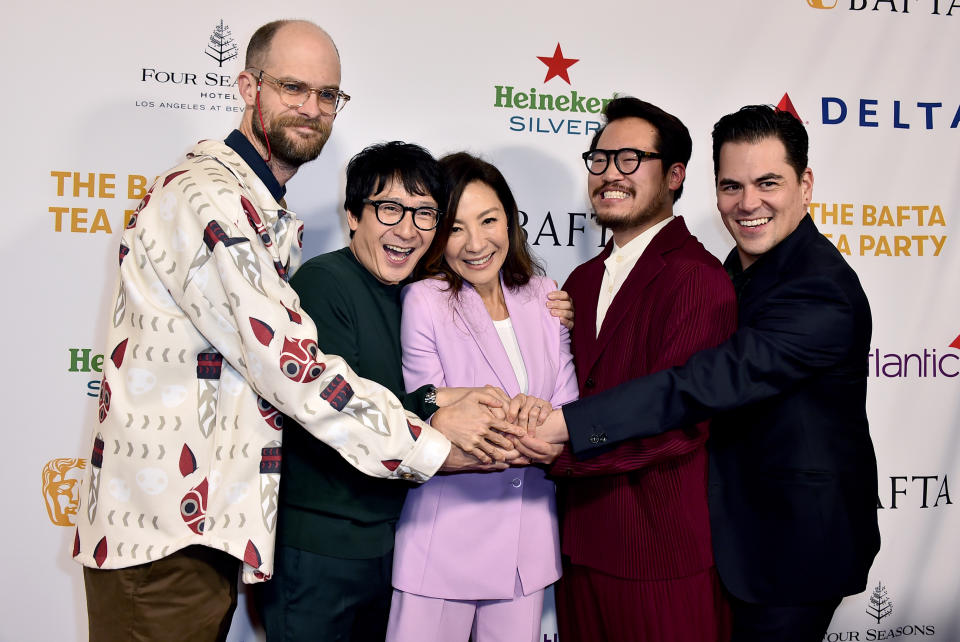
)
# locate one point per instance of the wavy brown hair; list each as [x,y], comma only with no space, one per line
[460,170]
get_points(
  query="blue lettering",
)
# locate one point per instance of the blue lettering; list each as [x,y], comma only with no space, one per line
[516,123]
[93,388]
[827,119]
[573,125]
[896,117]
[864,112]
[929,109]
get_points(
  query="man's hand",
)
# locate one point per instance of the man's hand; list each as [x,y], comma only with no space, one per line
[527,411]
[472,425]
[450,396]
[460,462]
[553,430]
[537,450]
[561,305]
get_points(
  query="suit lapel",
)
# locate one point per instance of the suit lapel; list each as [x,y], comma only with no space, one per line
[476,319]
[631,293]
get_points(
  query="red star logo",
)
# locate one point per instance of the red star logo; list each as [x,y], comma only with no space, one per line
[557,65]
[786,105]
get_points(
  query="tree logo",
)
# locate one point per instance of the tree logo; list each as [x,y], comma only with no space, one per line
[222,46]
[880,605]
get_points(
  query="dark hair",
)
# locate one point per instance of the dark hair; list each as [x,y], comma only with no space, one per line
[373,168]
[753,123]
[460,170]
[673,139]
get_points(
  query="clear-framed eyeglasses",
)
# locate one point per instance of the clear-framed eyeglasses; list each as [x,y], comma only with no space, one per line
[294,93]
[391,213]
[627,159]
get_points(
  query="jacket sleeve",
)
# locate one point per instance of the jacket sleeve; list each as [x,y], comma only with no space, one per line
[702,314]
[334,314]
[199,244]
[804,326]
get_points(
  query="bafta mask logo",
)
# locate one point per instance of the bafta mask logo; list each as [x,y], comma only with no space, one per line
[820,4]
[61,489]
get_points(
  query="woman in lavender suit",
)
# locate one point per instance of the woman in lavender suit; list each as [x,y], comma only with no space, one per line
[474,551]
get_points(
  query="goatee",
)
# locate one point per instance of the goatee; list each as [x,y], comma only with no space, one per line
[287,148]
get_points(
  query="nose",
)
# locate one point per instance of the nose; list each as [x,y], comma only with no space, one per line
[750,199]
[405,229]
[611,173]
[311,106]
[474,242]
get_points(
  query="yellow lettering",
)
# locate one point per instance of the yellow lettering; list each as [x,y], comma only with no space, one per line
[79,184]
[936,217]
[77,221]
[61,177]
[843,244]
[869,216]
[920,210]
[903,214]
[866,243]
[105,186]
[100,223]
[901,244]
[136,185]
[938,245]
[883,246]
[58,213]
[886,218]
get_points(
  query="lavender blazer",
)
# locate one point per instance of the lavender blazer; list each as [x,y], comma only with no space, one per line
[466,536]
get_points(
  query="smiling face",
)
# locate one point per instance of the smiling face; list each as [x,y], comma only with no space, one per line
[300,52]
[630,203]
[479,239]
[390,252]
[759,196]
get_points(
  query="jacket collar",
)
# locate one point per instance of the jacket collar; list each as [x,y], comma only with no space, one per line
[651,262]
[767,270]
[474,316]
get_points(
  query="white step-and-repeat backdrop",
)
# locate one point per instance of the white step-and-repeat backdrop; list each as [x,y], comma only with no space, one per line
[101,97]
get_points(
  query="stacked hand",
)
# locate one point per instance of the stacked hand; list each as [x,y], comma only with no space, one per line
[475,422]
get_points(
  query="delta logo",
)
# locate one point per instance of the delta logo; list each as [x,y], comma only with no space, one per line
[888,114]
[901,7]
[553,108]
[194,89]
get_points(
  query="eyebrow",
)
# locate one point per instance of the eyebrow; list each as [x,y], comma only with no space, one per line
[769,176]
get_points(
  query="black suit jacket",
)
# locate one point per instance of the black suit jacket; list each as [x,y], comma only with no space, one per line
[793,475]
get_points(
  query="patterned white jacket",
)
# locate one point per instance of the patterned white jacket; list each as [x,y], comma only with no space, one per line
[208,346]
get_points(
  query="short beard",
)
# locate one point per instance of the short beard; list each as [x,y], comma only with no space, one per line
[638,217]
[289,151]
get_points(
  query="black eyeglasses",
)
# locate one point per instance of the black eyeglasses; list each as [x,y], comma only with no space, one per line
[294,93]
[391,213]
[626,159]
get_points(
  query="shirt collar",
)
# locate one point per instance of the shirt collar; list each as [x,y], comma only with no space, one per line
[632,250]
[239,143]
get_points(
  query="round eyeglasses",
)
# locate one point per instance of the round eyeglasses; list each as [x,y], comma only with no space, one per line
[294,93]
[391,213]
[627,159]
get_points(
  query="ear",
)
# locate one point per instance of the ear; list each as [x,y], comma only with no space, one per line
[675,176]
[247,86]
[806,186]
[352,221]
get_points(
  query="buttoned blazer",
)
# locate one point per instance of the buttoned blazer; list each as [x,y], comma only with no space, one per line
[466,536]
[793,475]
[640,510]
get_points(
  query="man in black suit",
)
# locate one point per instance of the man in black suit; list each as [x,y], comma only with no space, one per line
[793,475]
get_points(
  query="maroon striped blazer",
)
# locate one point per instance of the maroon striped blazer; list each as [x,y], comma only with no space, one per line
[639,511]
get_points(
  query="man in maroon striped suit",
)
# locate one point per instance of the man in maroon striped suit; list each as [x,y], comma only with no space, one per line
[635,530]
